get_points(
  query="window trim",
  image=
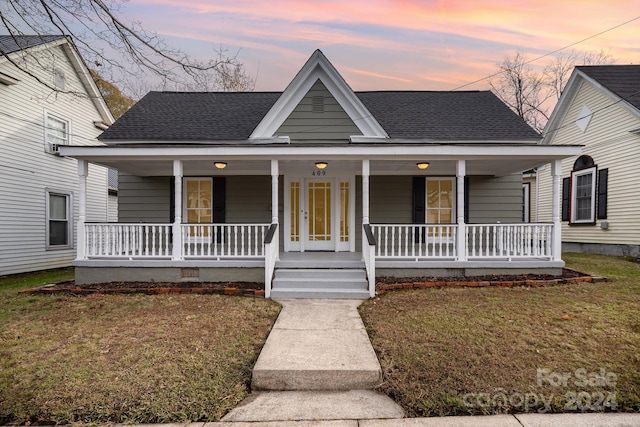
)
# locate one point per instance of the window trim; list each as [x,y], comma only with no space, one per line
[526,202]
[70,217]
[48,145]
[593,171]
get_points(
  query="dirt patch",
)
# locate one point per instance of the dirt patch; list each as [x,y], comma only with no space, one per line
[566,274]
[226,288]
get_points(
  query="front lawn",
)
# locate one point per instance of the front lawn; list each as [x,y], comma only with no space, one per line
[489,350]
[126,358]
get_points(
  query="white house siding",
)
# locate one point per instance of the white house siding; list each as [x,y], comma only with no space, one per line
[26,170]
[305,125]
[608,141]
[112,208]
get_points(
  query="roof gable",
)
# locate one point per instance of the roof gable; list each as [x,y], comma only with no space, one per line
[317,68]
[11,46]
[318,116]
[619,83]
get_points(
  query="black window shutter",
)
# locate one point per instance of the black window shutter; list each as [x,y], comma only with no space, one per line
[419,199]
[466,200]
[566,198]
[603,179]
[219,185]
[172,199]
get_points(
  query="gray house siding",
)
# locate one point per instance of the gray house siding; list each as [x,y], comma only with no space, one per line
[144,199]
[327,123]
[493,199]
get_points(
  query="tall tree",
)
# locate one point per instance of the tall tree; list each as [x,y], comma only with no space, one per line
[532,94]
[523,89]
[122,50]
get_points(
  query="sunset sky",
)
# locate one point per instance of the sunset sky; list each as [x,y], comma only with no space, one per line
[377,44]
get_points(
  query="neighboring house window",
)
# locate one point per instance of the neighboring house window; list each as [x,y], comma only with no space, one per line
[440,200]
[56,133]
[59,220]
[584,193]
[59,80]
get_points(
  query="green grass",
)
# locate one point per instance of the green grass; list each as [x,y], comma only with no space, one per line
[125,358]
[444,351]
[27,280]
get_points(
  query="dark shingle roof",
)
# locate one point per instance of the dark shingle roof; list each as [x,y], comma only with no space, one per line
[185,116]
[10,44]
[623,80]
[468,115]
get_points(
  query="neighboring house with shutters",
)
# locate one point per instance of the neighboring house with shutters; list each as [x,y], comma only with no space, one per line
[600,109]
[39,201]
[318,189]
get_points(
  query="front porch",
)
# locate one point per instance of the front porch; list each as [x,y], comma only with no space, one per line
[257,214]
[251,252]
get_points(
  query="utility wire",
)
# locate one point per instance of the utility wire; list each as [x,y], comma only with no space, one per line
[554,51]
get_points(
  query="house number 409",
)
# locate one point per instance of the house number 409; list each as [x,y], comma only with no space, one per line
[318,173]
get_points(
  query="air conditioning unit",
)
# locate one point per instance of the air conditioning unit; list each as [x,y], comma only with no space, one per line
[53,148]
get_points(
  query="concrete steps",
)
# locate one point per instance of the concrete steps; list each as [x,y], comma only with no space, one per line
[326,283]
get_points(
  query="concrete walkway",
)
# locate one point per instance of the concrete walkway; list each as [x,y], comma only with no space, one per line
[317,364]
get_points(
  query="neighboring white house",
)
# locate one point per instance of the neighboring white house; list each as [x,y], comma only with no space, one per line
[599,108]
[39,201]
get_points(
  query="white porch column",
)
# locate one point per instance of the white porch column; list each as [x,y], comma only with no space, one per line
[365,191]
[556,172]
[461,170]
[83,171]
[177,222]
[274,191]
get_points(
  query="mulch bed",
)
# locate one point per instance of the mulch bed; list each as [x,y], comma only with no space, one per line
[384,284]
[255,289]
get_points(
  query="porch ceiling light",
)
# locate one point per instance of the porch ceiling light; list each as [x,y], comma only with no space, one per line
[220,165]
[321,165]
[422,165]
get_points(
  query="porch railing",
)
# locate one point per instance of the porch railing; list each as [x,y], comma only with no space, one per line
[224,240]
[511,241]
[482,241]
[127,240]
[369,256]
[415,240]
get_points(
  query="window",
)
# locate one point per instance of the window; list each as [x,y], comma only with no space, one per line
[198,200]
[584,193]
[59,225]
[59,80]
[440,201]
[56,133]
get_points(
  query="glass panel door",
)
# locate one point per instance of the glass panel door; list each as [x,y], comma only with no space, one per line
[198,197]
[319,216]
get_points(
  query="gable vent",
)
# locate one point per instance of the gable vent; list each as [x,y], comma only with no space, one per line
[317,104]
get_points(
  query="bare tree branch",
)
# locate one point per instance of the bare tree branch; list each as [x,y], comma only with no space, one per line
[123,50]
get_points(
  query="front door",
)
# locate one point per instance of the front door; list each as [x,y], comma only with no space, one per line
[320,214]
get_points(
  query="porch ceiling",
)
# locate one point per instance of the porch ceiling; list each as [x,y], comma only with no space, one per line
[481,159]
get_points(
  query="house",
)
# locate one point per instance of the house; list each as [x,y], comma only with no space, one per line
[600,109]
[54,103]
[318,189]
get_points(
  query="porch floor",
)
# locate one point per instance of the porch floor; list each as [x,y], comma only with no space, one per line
[320,260]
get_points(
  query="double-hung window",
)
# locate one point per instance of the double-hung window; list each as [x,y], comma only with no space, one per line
[584,196]
[584,193]
[59,220]
[56,133]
